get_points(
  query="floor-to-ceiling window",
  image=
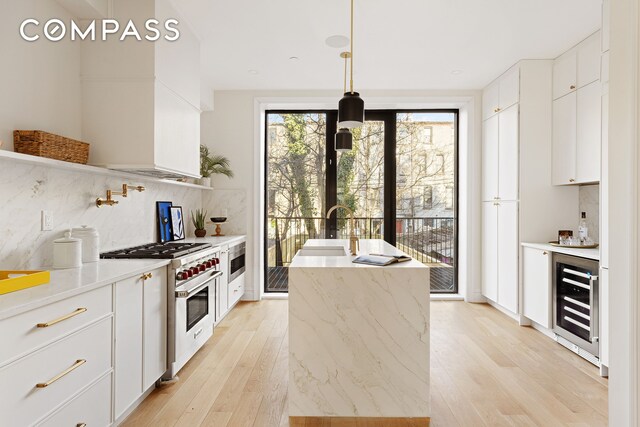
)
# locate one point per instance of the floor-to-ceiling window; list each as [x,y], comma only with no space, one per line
[400,180]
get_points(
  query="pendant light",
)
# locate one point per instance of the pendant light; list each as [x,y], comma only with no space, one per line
[344,137]
[351,106]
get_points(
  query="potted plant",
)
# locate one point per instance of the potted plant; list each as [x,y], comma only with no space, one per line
[198,218]
[211,164]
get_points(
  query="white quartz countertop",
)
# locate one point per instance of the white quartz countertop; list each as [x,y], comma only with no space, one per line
[217,241]
[74,281]
[367,246]
[583,253]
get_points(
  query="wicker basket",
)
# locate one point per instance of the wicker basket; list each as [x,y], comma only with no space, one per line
[43,144]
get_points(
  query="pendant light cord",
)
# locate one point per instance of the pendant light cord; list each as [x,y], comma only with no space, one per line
[351,82]
[346,58]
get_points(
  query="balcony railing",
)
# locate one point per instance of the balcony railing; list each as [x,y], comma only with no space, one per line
[430,240]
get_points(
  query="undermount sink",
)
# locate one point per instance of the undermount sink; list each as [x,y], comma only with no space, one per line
[323,251]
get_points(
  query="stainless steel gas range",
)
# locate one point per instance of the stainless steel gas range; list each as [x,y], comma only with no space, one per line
[193,273]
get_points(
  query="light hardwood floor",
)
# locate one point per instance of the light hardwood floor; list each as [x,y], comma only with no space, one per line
[485,371]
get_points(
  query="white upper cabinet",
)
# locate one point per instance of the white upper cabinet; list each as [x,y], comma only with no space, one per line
[577,67]
[501,94]
[509,88]
[490,143]
[564,73]
[577,114]
[564,140]
[508,154]
[588,135]
[589,54]
[490,100]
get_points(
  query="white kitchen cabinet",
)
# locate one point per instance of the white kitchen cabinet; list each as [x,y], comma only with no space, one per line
[490,100]
[604,185]
[528,206]
[589,133]
[508,255]
[508,156]
[604,316]
[588,67]
[564,73]
[577,67]
[490,142]
[500,158]
[154,326]
[140,347]
[577,136]
[490,250]
[129,343]
[236,290]
[536,286]
[501,94]
[606,25]
[564,140]
[222,299]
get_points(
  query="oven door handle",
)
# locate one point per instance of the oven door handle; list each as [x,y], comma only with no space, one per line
[196,289]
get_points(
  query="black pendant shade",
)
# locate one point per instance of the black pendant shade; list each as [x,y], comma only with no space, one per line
[344,140]
[350,111]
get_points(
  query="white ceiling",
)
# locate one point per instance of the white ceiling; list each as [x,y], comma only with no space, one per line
[399,44]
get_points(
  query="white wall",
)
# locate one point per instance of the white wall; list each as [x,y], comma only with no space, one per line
[234,129]
[39,81]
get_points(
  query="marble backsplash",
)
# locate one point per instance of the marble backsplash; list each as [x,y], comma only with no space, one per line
[231,204]
[28,189]
[590,203]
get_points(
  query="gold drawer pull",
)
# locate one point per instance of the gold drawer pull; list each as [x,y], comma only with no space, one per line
[146,276]
[572,180]
[63,318]
[81,425]
[572,87]
[75,366]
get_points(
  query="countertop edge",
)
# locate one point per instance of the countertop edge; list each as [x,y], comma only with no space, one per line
[50,299]
[593,254]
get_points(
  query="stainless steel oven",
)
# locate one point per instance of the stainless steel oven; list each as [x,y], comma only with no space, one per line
[191,306]
[575,308]
[236,261]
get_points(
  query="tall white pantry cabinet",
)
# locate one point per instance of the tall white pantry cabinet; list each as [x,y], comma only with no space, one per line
[519,202]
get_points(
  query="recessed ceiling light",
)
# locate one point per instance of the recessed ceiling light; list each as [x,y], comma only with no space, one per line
[252,71]
[294,58]
[456,72]
[337,41]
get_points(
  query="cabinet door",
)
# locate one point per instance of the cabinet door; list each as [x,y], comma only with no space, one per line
[154,327]
[509,89]
[508,154]
[588,133]
[565,73]
[536,286]
[606,24]
[490,131]
[490,251]
[604,316]
[128,352]
[508,255]
[490,100]
[564,140]
[589,54]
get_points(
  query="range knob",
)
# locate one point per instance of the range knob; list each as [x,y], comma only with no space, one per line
[194,270]
[216,261]
[201,267]
[187,273]
[181,275]
[208,264]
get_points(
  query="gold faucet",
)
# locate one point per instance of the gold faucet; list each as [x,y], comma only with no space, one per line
[354,242]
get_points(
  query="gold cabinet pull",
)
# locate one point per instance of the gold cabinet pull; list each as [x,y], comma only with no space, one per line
[495,110]
[146,276]
[75,366]
[545,253]
[63,318]
[572,87]
[81,425]
[572,180]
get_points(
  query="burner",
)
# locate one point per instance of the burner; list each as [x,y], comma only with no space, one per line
[156,250]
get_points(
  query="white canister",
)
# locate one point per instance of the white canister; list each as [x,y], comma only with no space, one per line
[90,243]
[67,252]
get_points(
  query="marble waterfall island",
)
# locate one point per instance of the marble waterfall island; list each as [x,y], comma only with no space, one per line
[358,335]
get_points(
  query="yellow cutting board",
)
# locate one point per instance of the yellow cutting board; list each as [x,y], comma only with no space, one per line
[29,280]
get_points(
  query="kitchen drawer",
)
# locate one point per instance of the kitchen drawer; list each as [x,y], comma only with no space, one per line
[236,290]
[23,402]
[20,334]
[91,408]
